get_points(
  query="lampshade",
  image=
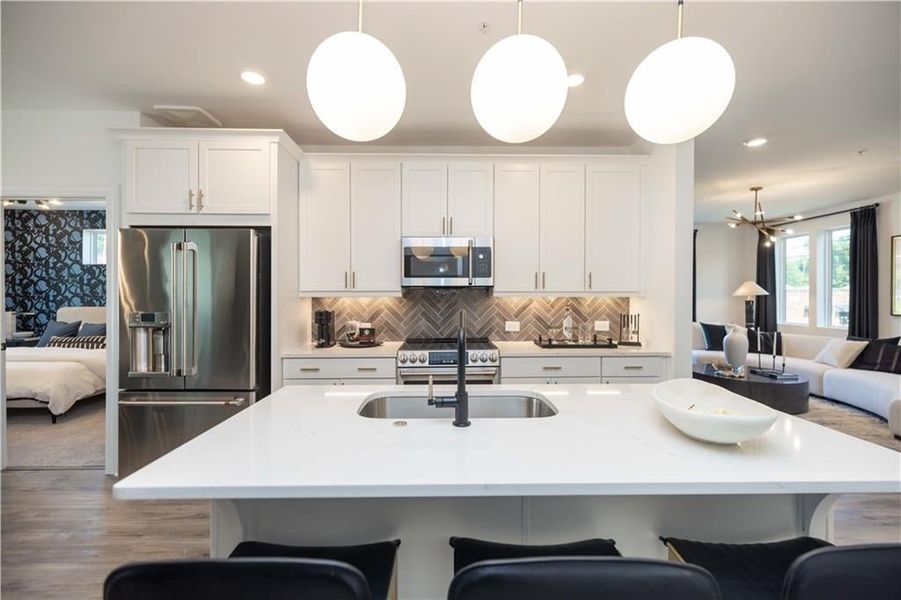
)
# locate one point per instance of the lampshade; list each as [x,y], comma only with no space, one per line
[356,86]
[750,288]
[679,90]
[519,88]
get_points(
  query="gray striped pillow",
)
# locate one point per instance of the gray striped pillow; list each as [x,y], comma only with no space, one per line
[86,342]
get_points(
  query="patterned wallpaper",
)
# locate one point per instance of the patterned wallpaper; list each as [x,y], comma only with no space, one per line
[44,270]
[433,313]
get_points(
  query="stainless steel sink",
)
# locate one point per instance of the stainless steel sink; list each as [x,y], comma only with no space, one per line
[517,405]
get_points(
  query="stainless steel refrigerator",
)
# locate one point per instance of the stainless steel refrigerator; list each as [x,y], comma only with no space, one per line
[194,325]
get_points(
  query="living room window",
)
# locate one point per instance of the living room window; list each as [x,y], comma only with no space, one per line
[838,248]
[93,246]
[794,279]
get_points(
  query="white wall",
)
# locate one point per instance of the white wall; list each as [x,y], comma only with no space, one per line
[889,224]
[46,149]
[726,258]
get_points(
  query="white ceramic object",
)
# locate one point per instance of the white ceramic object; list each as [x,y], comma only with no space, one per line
[735,347]
[710,413]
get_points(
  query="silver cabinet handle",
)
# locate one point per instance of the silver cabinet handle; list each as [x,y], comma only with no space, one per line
[633,367]
[451,225]
[443,220]
[367,369]
[232,402]
[543,280]
[536,280]
[589,280]
[552,368]
[200,200]
[309,369]
[353,279]
[190,199]
[345,280]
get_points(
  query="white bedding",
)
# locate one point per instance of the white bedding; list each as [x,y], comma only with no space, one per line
[57,376]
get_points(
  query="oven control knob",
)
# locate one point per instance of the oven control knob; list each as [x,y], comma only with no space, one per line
[483,357]
[422,358]
[402,358]
[493,357]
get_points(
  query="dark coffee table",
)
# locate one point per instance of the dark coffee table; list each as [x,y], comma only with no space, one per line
[790,396]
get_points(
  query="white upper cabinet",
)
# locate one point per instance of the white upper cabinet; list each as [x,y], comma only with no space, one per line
[613,228]
[375,226]
[470,199]
[516,227]
[325,228]
[160,176]
[424,199]
[234,177]
[562,227]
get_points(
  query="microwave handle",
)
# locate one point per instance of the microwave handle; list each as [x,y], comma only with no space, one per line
[470,245]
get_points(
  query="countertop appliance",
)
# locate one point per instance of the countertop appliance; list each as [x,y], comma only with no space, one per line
[325,328]
[420,358]
[447,262]
[194,327]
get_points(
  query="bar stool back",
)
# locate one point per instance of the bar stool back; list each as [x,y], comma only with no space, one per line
[582,578]
[872,572]
[237,579]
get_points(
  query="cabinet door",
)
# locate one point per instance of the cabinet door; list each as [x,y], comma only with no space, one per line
[424,198]
[325,228]
[160,176]
[470,199]
[613,229]
[516,227]
[375,226]
[562,227]
[234,177]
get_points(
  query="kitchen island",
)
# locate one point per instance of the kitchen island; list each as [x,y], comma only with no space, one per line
[303,467]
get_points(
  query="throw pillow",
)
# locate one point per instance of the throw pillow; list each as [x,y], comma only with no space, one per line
[713,335]
[766,342]
[86,342]
[840,353]
[880,355]
[58,329]
[92,329]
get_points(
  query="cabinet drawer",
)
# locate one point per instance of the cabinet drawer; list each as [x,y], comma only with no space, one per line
[632,366]
[551,367]
[353,381]
[615,380]
[547,380]
[339,368]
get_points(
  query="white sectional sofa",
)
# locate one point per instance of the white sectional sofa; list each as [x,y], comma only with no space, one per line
[872,391]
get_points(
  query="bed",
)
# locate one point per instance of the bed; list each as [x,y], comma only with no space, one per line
[57,378]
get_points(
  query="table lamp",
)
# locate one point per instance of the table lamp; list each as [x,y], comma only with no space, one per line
[750,290]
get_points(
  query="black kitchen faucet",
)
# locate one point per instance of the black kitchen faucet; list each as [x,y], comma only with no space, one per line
[460,401]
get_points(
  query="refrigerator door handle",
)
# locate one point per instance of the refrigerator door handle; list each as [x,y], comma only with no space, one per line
[190,368]
[236,401]
[174,369]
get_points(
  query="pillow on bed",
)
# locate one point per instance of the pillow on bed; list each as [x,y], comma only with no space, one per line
[86,342]
[58,329]
[92,329]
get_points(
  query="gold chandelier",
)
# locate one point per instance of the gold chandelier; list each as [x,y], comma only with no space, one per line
[769,229]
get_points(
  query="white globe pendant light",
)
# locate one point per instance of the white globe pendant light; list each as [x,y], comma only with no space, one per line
[680,89]
[519,87]
[355,85]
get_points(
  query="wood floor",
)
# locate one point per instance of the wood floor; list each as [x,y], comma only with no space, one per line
[62,532]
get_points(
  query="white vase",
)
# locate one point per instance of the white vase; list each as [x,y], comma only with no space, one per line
[735,347]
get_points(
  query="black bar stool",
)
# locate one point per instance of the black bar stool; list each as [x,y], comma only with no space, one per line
[871,572]
[376,561]
[582,578]
[243,579]
[745,571]
[468,550]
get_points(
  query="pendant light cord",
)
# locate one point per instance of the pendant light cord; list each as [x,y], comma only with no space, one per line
[519,16]
[360,16]
[678,21]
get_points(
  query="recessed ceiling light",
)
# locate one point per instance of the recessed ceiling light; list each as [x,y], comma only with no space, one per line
[253,77]
[755,142]
[798,217]
[575,80]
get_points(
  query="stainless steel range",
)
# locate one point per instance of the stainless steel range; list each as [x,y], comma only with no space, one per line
[420,358]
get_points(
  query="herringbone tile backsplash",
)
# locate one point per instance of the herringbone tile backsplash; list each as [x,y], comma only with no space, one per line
[433,313]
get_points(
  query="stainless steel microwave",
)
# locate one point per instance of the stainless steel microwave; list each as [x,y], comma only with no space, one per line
[447,262]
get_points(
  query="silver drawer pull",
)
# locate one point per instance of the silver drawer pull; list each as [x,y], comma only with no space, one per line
[633,367]
[367,369]
[552,368]
[309,369]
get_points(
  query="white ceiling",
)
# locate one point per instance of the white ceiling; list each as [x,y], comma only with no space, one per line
[821,80]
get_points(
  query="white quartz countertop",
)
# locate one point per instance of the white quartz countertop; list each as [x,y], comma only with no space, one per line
[386,350]
[309,442]
[526,349]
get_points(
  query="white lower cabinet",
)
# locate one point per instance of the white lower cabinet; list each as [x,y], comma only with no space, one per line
[546,380]
[632,366]
[619,380]
[339,381]
[319,369]
[552,369]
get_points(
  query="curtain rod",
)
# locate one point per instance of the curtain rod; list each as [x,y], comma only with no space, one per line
[837,212]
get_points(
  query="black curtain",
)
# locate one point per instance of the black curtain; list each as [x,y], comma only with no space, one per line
[694,277]
[863,309]
[766,278]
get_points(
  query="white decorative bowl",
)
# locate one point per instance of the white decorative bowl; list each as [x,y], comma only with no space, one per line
[710,413]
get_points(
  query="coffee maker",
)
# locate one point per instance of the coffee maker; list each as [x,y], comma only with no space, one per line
[325,328]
